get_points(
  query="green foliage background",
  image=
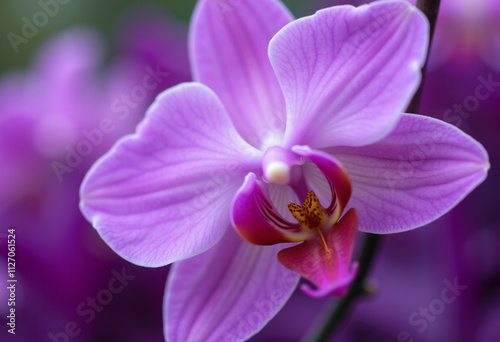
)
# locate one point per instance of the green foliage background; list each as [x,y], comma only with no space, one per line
[104,16]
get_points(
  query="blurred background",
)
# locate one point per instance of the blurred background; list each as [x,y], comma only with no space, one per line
[72,83]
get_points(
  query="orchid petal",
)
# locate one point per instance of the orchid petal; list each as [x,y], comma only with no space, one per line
[330,272]
[229,42]
[164,194]
[257,220]
[413,176]
[348,73]
[226,294]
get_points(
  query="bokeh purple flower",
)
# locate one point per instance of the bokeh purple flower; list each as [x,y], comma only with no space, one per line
[282,107]
[467,35]
[46,112]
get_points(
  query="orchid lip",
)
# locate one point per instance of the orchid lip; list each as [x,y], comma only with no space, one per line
[327,239]
[257,219]
[326,260]
[269,213]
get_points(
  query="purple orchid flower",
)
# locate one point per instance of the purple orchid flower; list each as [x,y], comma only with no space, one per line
[467,35]
[285,112]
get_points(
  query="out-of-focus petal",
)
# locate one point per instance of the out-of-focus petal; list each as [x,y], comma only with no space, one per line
[75,50]
[257,220]
[67,65]
[226,294]
[164,194]
[153,38]
[228,46]
[330,273]
[348,73]
[413,176]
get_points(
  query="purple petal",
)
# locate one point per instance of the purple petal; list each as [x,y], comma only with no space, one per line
[226,294]
[164,193]
[331,272]
[413,176]
[229,43]
[348,73]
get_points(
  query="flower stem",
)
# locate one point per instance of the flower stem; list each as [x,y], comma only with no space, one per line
[430,8]
[357,289]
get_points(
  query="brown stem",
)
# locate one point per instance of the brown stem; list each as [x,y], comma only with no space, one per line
[430,8]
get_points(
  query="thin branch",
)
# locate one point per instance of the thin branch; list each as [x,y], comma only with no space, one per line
[430,8]
[356,290]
